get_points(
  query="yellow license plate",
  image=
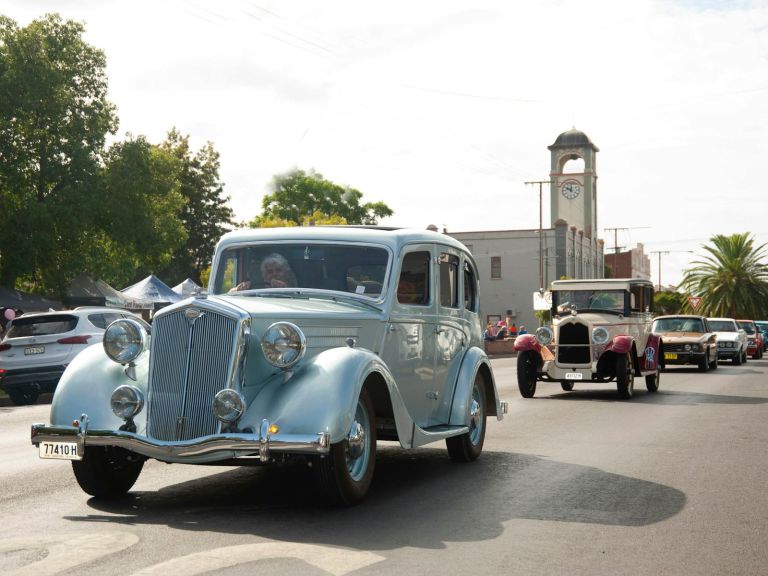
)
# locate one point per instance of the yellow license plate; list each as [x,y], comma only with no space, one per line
[670,356]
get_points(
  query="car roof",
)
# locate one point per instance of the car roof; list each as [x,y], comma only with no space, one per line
[394,238]
[601,283]
[679,316]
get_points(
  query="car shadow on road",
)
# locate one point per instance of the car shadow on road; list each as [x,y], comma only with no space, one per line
[418,498]
[669,397]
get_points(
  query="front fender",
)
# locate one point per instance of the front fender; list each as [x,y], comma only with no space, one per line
[86,388]
[621,344]
[321,395]
[527,342]
[475,361]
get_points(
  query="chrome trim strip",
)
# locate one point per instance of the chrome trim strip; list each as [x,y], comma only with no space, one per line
[232,444]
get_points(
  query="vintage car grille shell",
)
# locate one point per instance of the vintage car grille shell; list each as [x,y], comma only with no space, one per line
[195,352]
[573,343]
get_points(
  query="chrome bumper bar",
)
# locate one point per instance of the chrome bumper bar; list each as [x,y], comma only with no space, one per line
[199,450]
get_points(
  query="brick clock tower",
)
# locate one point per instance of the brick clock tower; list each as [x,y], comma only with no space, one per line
[573,195]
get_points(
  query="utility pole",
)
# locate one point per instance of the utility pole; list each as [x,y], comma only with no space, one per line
[541,231]
[660,252]
[616,242]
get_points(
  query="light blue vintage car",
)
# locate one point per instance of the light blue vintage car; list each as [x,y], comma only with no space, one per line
[310,345]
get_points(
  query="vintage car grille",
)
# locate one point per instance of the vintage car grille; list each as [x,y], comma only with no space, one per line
[573,344]
[190,362]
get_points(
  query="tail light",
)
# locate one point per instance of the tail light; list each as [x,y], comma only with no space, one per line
[4,347]
[74,339]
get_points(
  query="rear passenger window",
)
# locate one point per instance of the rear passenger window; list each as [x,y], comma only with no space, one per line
[449,280]
[413,284]
[98,320]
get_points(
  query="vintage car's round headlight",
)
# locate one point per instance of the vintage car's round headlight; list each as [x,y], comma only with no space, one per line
[228,405]
[687,347]
[283,344]
[126,401]
[600,335]
[125,340]
[544,335]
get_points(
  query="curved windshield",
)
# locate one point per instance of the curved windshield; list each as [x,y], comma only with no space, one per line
[678,325]
[748,327]
[723,325]
[348,268]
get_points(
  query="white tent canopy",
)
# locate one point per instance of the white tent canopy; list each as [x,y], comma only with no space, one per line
[187,288]
[151,289]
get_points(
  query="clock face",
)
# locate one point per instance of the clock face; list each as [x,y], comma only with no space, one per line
[571,190]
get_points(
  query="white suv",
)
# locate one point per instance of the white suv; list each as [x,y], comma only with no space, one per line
[37,347]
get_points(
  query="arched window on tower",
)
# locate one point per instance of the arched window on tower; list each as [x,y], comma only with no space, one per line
[574,165]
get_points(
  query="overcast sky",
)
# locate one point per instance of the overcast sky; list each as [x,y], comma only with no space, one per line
[443,109]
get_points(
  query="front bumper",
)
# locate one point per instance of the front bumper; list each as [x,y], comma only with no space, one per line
[683,357]
[206,449]
[552,371]
[46,377]
[727,352]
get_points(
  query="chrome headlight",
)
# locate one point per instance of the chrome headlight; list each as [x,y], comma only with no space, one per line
[283,344]
[125,340]
[600,335]
[544,335]
[228,405]
[687,347]
[126,401]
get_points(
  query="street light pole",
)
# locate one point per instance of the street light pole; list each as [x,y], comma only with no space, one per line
[660,252]
[541,231]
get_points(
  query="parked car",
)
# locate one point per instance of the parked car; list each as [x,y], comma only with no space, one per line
[762,325]
[688,339]
[754,338]
[310,345]
[600,332]
[38,347]
[731,340]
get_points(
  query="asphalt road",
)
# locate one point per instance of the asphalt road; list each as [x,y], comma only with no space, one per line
[569,483]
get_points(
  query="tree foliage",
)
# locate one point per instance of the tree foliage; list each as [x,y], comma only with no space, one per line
[301,197]
[732,280]
[206,214]
[667,302]
[54,118]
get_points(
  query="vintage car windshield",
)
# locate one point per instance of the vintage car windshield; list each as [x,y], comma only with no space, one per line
[678,325]
[723,326]
[354,269]
[568,300]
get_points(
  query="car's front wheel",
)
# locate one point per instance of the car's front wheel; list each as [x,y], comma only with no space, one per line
[625,376]
[713,364]
[468,446]
[703,364]
[107,472]
[345,474]
[526,373]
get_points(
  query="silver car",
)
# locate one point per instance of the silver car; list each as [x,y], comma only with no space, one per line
[310,345]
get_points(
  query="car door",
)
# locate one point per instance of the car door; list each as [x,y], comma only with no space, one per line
[452,333]
[409,340]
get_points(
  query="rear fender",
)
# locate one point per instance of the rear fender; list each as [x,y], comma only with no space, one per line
[475,362]
[649,362]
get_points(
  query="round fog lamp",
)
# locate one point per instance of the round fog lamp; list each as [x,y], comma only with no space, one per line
[126,401]
[600,335]
[283,344]
[125,340]
[544,335]
[228,405]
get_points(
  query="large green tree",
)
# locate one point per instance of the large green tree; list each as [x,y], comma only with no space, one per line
[297,196]
[140,221]
[54,118]
[206,214]
[732,279]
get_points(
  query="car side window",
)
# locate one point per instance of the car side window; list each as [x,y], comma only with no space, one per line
[470,288]
[414,281]
[98,320]
[449,280]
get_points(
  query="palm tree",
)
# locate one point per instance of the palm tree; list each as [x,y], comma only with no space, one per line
[732,280]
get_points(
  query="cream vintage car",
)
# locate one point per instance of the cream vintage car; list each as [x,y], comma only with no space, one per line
[688,340]
[310,345]
[600,332]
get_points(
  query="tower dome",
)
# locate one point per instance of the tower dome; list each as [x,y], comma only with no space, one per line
[573,139]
